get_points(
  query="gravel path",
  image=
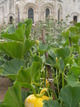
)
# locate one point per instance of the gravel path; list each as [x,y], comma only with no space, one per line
[4,84]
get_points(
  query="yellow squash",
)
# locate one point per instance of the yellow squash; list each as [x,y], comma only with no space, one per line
[33,101]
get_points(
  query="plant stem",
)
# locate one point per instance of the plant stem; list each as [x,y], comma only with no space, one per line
[31,53]
[51,77]
[70,42]
[79,55]
[45,78]
[62,79]
[57,81]
[48,67]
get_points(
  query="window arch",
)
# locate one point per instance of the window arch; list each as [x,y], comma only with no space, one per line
[59,14]
[74,19]
[47,12]
[17,12]
[31,14]
[18,16]
[10,19]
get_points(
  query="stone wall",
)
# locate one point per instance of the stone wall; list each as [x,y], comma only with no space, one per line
[18,9]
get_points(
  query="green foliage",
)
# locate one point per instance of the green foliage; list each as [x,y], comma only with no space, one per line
[10,49]
[73,76]
[18,35]
[28,63]
[29,75]
[11,29]
[16,49]
[18,44]
[51,103]
[23,76]
[11,68]
[13,97]
[52,30]
[28,29]
[62,66]
[63,52]
[72,80]
[70,96]
[51,60]
[28,45]
[43,47]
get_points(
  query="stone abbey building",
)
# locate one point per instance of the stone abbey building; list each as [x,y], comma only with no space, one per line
[38,10]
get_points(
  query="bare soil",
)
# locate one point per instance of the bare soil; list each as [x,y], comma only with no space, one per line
[4,84]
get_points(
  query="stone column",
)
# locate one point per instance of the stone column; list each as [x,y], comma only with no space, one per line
[36,16]
[21,10]
[42,18]
[1,15]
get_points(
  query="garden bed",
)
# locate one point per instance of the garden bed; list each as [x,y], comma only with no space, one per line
[4,84]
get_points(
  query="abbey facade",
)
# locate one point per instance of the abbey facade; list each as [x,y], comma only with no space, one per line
[38,10]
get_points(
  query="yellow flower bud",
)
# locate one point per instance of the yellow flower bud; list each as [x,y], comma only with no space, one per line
[56,59]
[37,42]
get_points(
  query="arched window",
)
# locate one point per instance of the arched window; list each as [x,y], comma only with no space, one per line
[74,19]
[58,14]
[11,19]
[31,14]
[18,15]
[47,12]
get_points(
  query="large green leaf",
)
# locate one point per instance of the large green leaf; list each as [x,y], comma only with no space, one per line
[43,47]
[11,68]
[34,70]
[69,60]
[50,61]
[74,37]
[73,76]
[28,44]
[28,22]
[29,75]
[79,56]
[75,70]
[70,96]
[66,43]
[77,24]
[13,97]
[74,29]
[25,94]
[52,54]
[66,34]
[72,80]
[28,28]
[18,35]
[63,52]
[62,66]
[37,59]
[19,43]
[51,103]
[16,49]
[11,29]
[13,49]
[29,86]
[24,76]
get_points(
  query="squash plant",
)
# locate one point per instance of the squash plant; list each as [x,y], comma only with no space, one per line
[16,44]
[53,29]
[62,64]
[68,66]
